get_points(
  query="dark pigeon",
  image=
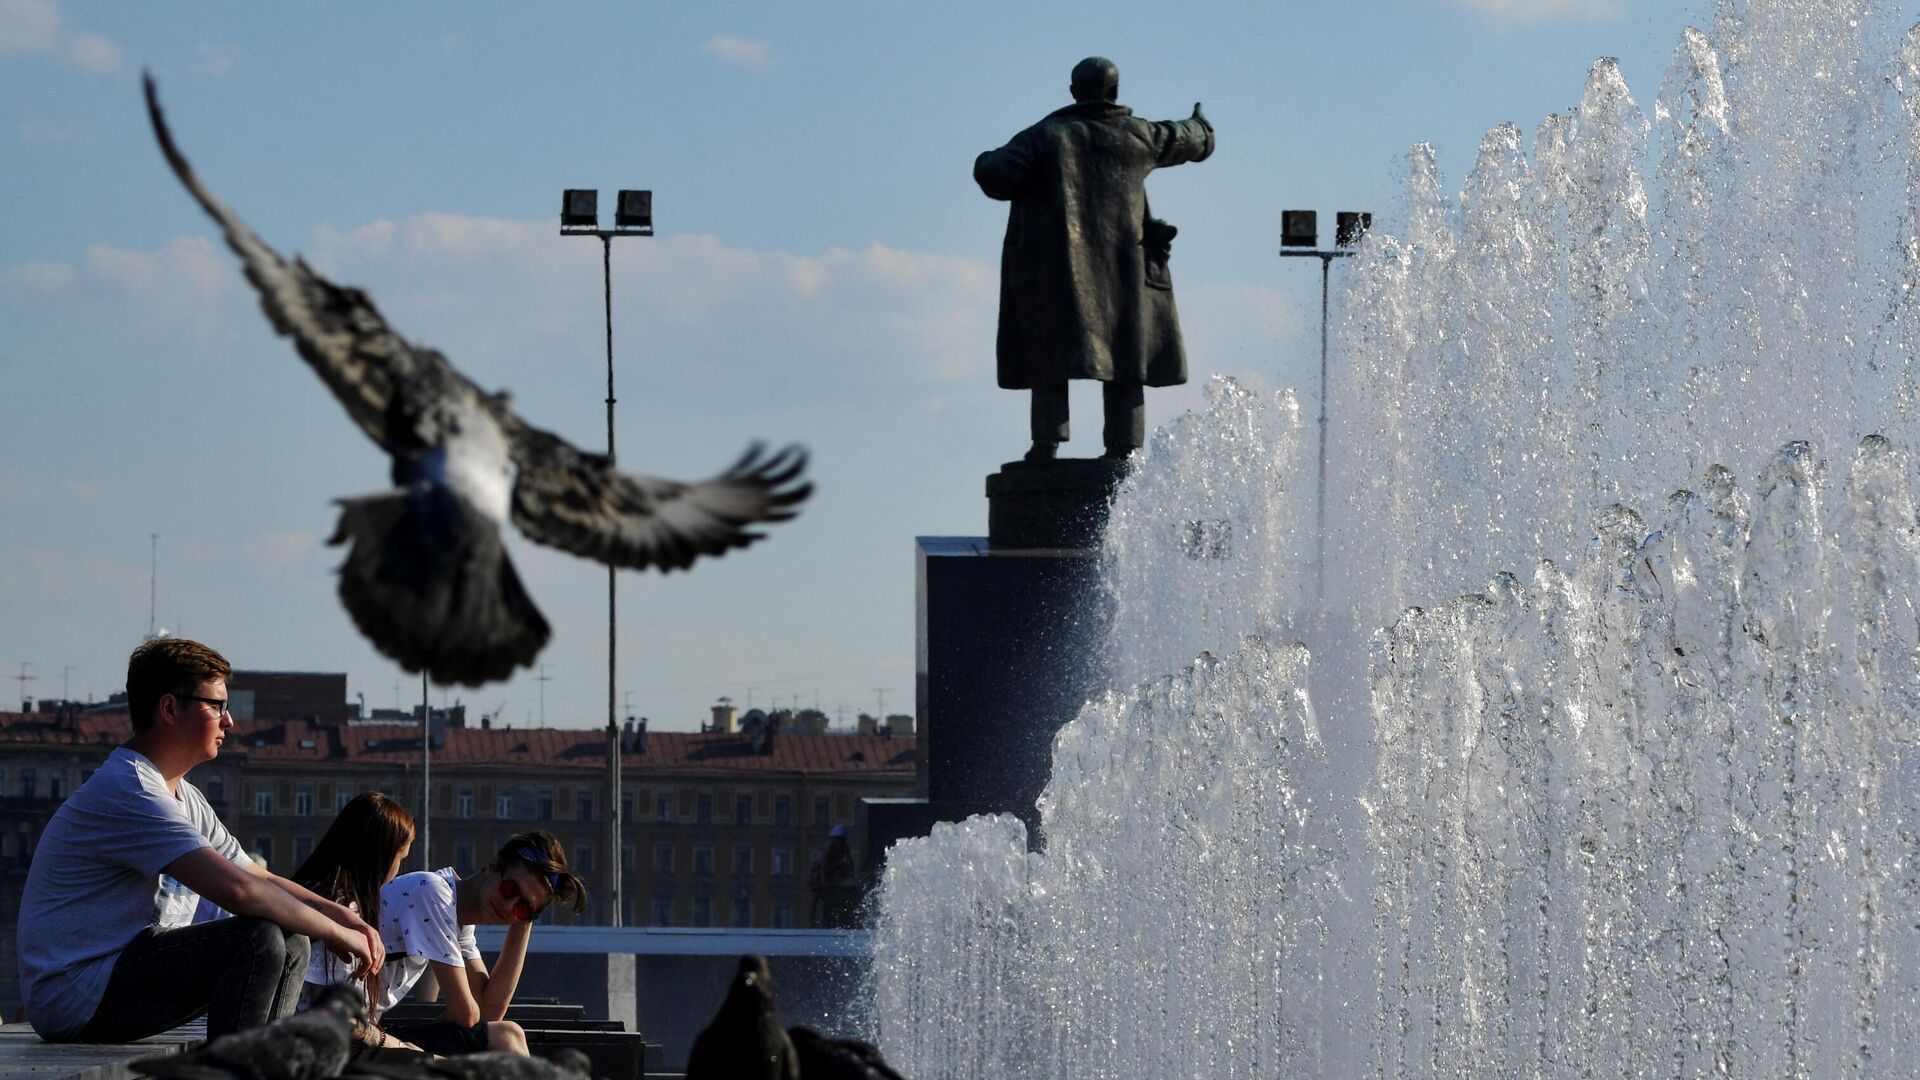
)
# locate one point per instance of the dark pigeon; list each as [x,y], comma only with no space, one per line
[568,1064]
[824,1058]
[745,1041]
[427,578]
[308,1045]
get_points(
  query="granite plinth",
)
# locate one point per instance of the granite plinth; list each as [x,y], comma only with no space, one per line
[1060,504]
[1009,647]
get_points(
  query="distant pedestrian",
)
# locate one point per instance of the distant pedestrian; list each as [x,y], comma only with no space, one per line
[834,881]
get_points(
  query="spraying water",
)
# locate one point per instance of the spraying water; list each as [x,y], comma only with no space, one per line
[1646,800]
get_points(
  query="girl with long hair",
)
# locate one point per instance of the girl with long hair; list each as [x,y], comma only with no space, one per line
[362,851]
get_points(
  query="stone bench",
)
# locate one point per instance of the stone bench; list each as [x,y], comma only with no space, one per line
[24,1055]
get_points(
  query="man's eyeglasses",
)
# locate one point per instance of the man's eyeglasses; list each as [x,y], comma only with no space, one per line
[219,704]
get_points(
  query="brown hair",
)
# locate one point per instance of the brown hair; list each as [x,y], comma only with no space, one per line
[351,862]
[164,666]
[540,852]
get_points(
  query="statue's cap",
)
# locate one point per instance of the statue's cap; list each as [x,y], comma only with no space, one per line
[1096,79]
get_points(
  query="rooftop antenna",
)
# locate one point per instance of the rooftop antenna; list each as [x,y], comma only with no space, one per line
[153,577]
[543,678]
[23,679]
[65,691]
[881,693]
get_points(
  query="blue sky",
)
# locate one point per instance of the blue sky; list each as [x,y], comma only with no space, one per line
[825,272]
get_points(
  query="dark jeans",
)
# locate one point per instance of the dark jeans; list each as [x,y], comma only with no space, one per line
[1125,405]
[241,972]
[436,1037]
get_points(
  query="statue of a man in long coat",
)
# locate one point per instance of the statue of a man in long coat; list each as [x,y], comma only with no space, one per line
[1084,287]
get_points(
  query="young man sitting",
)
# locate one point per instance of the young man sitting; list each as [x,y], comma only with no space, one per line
[107,944]
[427,920]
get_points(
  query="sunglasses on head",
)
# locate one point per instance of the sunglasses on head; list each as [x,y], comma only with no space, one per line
[510,889]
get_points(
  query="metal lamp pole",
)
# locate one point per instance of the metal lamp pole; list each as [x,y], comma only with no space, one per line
[633,216]
[1300,229]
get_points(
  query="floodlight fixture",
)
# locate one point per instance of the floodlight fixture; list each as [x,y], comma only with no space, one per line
[1350,226]
[580,208]
[634,210]
[1299,228]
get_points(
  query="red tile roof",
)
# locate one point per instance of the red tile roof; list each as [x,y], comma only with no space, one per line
[272,740]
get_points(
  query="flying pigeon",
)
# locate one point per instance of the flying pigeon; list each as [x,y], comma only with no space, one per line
[568,1064]
[310,1044]
[825,1058]
[744,1041]
[426,577]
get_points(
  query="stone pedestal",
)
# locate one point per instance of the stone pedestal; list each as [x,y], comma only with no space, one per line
[1010,632]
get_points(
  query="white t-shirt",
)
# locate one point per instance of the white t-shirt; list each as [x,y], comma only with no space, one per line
[96,883]
[324,968]
[418,925]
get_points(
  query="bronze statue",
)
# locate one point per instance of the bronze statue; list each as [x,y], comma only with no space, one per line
[1084,288]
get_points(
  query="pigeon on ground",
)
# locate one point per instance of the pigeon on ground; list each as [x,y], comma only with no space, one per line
[308,1045]
[825,1058]
[427,578]
[745,1041]
[568,1064]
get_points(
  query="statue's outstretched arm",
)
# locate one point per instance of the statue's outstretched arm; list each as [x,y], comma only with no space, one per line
[1003,173]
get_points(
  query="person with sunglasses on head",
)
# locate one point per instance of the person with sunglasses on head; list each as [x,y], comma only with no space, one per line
[427,920]
[108,948]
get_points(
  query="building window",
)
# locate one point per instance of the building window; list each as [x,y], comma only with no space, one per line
[663,911]
[303,802]
[703,808]
[743,809]
[703,911]
[626,807]
[263,850]
[782,916]
[743,858]
[341,798]
[464,804]
[743,911]
[546,806]
[663,858]
[302,847]
[57,786]
[822,810]
[782,862]
[463,856]
[783,809]
[26,783]
[663,808]
[583,806]
[582,857]
[703,860]
[503,806]
[263,801]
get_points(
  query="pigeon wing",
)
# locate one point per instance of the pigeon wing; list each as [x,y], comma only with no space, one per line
[580,503]
[336,330]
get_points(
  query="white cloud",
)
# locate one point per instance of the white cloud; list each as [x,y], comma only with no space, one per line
[35,131]
[218,57]
[36,278]
[750,53]
[36,27]
[877,315]
[1517,11]
[180,281]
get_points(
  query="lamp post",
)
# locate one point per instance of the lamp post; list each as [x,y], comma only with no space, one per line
[1301,229]
[632,216]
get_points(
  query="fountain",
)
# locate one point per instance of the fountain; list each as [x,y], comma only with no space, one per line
[1646,799]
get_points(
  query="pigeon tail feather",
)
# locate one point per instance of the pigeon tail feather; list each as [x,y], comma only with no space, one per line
[428,581]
